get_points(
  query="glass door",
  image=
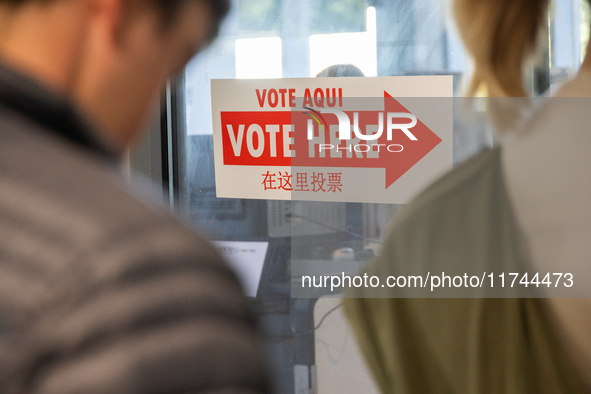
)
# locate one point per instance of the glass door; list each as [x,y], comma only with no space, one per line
[310,347]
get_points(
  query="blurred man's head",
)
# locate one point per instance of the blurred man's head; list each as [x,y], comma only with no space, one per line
[111,57]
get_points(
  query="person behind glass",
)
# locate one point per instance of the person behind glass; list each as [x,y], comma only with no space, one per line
[100,293]
[340,70]
[521,207]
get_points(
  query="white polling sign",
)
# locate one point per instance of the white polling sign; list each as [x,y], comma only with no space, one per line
[373,140]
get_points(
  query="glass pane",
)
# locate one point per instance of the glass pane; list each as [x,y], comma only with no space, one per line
[568,37]
[308,340]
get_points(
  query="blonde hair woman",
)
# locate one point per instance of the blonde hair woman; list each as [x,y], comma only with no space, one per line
[522,207]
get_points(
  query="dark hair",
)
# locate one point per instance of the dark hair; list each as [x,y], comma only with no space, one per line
[341,70]
[171,8]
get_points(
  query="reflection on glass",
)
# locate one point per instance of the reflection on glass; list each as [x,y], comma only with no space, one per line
[258,58]
[359,49]
[299,38]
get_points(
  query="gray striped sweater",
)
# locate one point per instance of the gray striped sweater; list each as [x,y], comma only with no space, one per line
[100,293]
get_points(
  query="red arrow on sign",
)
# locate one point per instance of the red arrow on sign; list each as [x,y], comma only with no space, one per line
[280,138]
